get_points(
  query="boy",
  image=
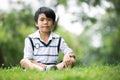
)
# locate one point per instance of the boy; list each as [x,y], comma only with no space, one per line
[42,47]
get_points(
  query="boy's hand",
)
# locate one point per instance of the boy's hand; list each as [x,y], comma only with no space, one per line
[69,59]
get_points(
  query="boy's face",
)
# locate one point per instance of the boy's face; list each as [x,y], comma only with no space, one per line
[44,23]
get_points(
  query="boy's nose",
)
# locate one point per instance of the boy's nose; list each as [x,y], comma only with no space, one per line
[45,21]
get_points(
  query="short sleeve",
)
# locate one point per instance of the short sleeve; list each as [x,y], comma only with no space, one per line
[28,51]
[64,47]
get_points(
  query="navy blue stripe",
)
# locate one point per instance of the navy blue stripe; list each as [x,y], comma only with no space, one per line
[52,46]
[48,46]
[45,43]
[31,42]
[59,44]
[47,63]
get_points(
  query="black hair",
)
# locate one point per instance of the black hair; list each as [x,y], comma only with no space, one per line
[47,11]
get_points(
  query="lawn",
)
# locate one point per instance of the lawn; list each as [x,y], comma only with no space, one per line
[94,72]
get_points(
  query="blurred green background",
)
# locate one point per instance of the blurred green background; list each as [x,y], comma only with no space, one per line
[16,24]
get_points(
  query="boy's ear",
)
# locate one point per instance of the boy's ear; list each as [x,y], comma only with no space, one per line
[55,26]
[36,25]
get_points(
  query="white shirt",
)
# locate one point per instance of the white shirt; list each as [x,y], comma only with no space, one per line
[44,53]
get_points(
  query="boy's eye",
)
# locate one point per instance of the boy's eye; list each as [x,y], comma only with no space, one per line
[41,19]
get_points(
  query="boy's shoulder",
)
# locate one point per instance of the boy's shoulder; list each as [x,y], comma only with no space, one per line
[55,35]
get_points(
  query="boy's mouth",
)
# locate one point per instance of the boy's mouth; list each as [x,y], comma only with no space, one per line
[45,26]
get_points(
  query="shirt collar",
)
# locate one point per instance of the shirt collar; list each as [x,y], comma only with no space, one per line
[37,35]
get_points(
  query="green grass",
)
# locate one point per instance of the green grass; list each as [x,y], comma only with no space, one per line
[77,73]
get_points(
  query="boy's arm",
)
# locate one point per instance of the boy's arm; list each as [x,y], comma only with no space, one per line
[28,51]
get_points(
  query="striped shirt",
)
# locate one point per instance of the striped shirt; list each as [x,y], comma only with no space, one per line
[45,52]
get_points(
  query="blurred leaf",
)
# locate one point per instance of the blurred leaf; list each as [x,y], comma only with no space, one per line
[64,2]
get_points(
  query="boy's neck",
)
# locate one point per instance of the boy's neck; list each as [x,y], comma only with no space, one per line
[44,36]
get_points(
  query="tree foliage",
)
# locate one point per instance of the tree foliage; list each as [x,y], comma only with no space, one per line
[13,30]
[109,28]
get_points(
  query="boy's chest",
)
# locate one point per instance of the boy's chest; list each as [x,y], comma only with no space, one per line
[41,48]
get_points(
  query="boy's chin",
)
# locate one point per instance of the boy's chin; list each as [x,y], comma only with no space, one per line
[46,31]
